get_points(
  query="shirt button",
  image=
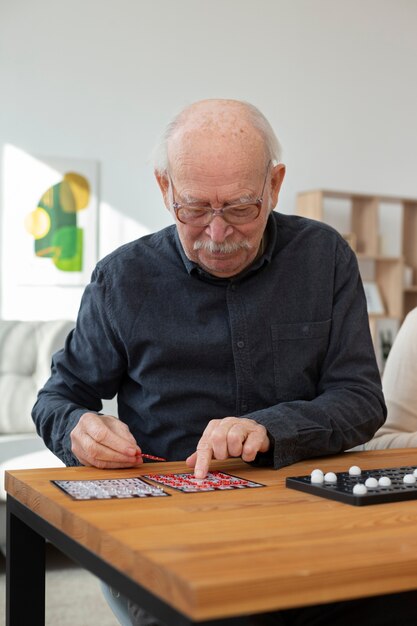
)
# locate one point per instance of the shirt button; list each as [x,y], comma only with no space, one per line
[233,287]
[244,407]
[240,344]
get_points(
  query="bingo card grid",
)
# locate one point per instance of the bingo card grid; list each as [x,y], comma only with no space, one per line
[109,489]
[214,481]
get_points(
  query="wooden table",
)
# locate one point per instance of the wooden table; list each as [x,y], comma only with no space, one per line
[211,558]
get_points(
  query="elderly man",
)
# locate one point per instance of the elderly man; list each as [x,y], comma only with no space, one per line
[236,332]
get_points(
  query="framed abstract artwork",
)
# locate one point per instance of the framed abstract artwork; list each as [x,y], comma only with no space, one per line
[50,219]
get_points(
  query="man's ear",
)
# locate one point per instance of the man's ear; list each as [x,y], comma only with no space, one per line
[277,176]
[163,182]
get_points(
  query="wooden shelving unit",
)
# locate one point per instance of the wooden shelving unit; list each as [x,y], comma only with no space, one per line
[358,217]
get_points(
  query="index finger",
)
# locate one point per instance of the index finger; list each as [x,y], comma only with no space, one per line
[204,454]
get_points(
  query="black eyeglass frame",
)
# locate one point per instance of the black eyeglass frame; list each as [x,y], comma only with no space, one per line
[224,212]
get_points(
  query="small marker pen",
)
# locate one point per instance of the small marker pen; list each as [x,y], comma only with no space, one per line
[151,457]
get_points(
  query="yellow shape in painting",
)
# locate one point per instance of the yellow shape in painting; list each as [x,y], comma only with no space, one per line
[48,198]
[80,189]
[66,198]
[38,223]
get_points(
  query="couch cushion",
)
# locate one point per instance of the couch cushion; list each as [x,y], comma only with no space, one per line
[17,445]
[34,460]
[26,349]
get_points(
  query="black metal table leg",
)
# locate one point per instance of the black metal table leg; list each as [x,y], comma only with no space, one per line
[25,574]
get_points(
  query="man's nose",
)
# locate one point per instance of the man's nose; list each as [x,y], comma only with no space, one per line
[218,229]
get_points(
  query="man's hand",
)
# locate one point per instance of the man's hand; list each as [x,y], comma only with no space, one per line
[104,441]
[230,436]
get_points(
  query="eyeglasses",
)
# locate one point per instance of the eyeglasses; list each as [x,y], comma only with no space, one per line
[197,215]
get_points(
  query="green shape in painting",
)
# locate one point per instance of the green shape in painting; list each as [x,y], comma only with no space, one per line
[51,204]
[53,224]
[68,246]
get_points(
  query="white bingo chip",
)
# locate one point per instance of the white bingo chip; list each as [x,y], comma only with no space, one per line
[384,481]
[355,471]
[359,489]
[409,479]
[317,476]
[371,482]
[415,473]
[330,477]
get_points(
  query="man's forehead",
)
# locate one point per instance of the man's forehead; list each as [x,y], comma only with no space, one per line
[213,125]
[199,149]
[214,134]
[212,137]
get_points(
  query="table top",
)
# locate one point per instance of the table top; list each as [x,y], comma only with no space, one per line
[225,553]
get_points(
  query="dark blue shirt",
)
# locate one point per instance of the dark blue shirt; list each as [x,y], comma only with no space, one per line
[285,343]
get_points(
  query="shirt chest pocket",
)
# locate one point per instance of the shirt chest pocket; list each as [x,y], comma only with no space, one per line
[298,353]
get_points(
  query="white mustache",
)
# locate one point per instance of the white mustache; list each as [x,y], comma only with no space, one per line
[224,248]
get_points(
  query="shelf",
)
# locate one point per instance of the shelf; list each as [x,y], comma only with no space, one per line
[356,195]
[380,316]
[359,217]
[376,257]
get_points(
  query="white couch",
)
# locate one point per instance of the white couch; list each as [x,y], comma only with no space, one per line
[26,349]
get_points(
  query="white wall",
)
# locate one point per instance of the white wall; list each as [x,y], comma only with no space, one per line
[100,78]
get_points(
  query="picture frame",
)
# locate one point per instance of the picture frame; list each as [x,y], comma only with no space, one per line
[50,219]
[374,300]
[386,330]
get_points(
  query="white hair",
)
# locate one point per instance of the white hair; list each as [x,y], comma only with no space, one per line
[257,119]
